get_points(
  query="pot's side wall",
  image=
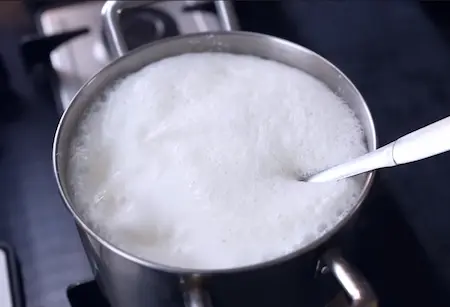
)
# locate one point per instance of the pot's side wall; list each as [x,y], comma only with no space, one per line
[128,284]
[345,238]
[278,285]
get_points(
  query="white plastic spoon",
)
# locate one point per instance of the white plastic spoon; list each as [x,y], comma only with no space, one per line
[429,141]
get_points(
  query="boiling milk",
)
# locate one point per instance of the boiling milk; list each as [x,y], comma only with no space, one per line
[193,161]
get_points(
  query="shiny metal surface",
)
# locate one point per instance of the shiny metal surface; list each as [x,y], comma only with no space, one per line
[111,13]
[227,15]
[193,293]
[428,141]
[125,278]
[354,284]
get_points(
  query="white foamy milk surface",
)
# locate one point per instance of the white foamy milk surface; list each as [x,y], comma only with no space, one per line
[193,161]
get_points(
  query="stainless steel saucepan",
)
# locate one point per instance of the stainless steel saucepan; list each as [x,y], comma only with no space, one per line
[129,281]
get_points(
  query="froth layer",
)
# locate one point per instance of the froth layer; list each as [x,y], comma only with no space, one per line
[192,161]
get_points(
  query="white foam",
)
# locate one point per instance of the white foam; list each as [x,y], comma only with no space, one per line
[193,160]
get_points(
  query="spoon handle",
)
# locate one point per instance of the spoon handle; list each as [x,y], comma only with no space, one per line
[428,141]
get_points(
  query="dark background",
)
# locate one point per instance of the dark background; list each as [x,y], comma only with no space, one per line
[396,52]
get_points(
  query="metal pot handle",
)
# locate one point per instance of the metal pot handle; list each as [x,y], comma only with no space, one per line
[193,293]
[111,12]
[355,285]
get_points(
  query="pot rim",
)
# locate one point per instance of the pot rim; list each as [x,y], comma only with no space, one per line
[182,270]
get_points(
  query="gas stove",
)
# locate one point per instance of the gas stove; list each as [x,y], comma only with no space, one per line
[386,252]
[140,22]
